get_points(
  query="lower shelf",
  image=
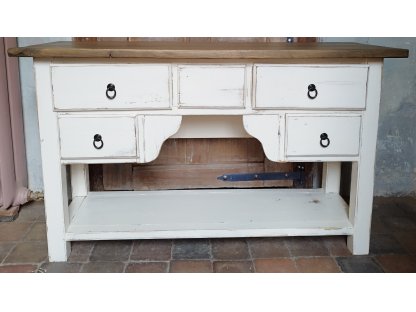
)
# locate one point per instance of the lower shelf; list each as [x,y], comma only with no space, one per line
[207,213]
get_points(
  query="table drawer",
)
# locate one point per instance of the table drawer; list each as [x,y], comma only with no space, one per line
[310,87]
[97,137]
[87,87]
[211,86]
[310,135]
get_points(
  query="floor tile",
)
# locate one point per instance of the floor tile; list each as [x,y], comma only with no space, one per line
[60,267]
[5,249]
[111,251]
[384,244]
[358,264]
[377,225]
[233,267]
[408,205]
[12,231]
[19,268]
[268,247]
[282,265]
[33,211]
[387,206]
[337,245]
[317,265]
[28,252]
[407,240]
[147,267]
[230,249]
[307,246]
[191,249]
[397,263]
[151,250]
[398,224]
[103,267]
[81,251]
[191,266]
[37,232]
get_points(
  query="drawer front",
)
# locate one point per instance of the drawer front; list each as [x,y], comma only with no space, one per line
[310,87]
[136,87]
[322,135]
[100,137]
[211,86]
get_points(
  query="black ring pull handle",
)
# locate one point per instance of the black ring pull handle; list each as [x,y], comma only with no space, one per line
[98,141]
[111,91]
[312,91]
[324,140]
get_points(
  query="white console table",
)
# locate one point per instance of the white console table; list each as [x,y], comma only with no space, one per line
[112,102]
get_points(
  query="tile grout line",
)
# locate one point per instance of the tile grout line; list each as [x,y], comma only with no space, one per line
[129,258]
[21,240]
[251,255]
[171,254]
[291,257]
[10,251]
[211,255]
[89,257]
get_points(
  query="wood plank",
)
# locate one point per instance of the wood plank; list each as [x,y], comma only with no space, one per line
[196,162]
[118,177]
[168,177]
[206,50]
[209,213]
[202,176]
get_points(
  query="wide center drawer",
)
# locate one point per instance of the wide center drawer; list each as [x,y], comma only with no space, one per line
[97,137]
[310,87]
[320,135]
[87,87]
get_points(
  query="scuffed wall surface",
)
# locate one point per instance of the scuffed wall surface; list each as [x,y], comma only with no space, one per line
[395,172]
[30,115]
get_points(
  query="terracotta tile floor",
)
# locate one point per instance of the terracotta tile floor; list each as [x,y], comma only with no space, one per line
[393,249]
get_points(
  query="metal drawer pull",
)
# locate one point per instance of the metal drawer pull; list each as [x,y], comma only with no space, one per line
[98,138]
[324,140]
[312,91]
[111,88]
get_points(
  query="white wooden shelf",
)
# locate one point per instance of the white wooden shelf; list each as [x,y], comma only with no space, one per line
[207,213]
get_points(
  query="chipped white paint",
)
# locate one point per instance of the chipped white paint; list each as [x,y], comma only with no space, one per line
[265,128]
[216,101]
[117,137]
[338,87]
[54,174]
[303,135]
[156,129]
[137,86]
[79,180]
[209,86]
[362,180]
[208,213]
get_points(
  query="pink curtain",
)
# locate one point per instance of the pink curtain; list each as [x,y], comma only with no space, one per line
[13,170]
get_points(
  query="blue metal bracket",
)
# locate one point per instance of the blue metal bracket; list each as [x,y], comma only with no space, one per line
[297,176]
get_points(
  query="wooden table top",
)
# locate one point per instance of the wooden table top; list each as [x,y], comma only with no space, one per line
[218,50]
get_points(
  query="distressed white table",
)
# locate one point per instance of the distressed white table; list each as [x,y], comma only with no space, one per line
[118,102]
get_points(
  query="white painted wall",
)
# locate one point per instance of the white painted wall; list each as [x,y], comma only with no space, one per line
[30,116]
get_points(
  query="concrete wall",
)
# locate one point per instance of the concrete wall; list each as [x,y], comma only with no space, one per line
[396,144]
[396,150]
[30,115]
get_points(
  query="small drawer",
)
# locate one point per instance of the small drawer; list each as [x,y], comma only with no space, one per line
[331,135]
[310,87]
[211,86]
[102,87]
[97,137]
